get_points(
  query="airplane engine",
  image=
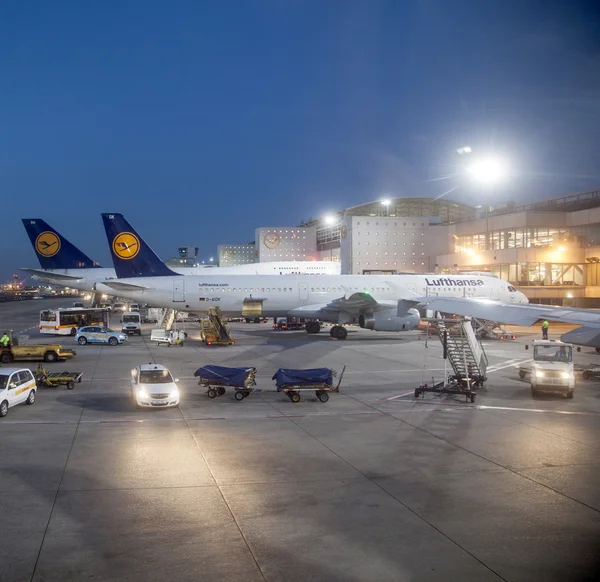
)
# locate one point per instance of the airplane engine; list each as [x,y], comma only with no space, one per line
[390,320]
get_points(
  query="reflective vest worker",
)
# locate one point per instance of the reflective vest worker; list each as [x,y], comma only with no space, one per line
[5,340]
[545,326]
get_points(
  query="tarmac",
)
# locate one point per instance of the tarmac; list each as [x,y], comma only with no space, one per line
[373,485]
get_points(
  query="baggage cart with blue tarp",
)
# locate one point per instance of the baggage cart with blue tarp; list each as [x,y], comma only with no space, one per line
[216,378]
[292,382]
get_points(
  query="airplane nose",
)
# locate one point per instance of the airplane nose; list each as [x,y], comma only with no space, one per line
[523,298]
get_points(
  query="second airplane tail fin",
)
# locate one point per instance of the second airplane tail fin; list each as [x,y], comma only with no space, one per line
[53,250]
[131,255]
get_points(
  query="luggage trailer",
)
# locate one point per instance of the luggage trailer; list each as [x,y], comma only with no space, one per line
[291,382]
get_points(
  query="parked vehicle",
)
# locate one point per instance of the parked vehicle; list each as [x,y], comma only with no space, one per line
[131,322]
[288,323]
[99,335]
[17,386]
[33,352]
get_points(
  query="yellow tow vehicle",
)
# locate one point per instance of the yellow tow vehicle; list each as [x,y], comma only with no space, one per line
[34,352]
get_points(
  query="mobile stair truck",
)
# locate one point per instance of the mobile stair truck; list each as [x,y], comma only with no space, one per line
[465,354]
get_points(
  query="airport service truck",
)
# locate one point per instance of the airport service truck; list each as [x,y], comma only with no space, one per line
[33,352]
[131,322]
[552,368]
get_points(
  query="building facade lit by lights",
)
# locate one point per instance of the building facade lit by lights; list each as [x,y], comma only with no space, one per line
[233,255]
[550,250]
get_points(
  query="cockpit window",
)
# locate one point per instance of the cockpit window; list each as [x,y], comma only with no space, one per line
[512,289]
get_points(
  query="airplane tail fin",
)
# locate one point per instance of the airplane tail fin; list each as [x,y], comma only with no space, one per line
[53,250]
[131,255]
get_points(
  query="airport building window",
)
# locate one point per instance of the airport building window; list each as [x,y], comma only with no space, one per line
[528,237]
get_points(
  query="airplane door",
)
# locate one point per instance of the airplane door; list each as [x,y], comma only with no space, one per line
[179,289]
[303,291]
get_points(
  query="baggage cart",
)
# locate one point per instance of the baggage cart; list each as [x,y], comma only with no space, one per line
[217,378]
[319,380]
[55,379]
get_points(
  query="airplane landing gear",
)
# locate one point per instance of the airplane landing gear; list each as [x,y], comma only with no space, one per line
[338,332]
[313,327]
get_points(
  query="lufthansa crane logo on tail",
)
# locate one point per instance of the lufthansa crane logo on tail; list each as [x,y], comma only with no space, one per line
[47,244]
[126,245]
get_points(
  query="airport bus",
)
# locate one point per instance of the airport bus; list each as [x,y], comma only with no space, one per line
[67,321]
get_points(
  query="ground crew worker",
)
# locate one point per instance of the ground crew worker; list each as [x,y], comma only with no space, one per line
[181,337]
[5,340]
[545,326]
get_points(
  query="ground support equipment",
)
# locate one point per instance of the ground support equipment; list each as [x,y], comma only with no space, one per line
[55,379]
[319,380]
[486,329]
[465,354]
[215,379]
[589,372]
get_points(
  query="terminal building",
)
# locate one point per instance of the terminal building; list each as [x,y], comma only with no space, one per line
[550,250]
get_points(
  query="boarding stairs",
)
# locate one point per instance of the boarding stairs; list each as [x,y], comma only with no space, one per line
[486,329]
[463,350]
[166,318]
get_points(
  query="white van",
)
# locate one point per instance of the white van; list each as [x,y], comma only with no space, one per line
[131,322]
[16,386]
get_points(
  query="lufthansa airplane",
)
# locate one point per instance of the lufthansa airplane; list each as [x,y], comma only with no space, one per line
[377,302]
[62,263]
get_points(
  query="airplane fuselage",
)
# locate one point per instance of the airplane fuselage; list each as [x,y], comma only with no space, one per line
[303,296]
[86,279]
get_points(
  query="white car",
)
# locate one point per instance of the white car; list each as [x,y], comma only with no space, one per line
[16,386]
[153,386]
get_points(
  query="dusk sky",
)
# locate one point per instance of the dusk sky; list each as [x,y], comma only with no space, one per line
[202,120]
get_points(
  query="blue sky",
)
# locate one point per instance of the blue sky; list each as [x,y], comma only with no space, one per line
[201,121]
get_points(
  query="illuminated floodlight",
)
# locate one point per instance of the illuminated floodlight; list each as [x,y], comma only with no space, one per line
[330,219]
[488,170]
[386,202]
[464,150]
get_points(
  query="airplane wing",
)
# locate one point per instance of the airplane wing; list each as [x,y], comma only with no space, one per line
[348,309]
[527,314]
[46,275]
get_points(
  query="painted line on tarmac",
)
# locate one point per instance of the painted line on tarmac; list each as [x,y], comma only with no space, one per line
[510,363]
[539,410]
[388,398]
[451,405]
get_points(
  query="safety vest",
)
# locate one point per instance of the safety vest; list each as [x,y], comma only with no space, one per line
[545,325]
[5,340]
